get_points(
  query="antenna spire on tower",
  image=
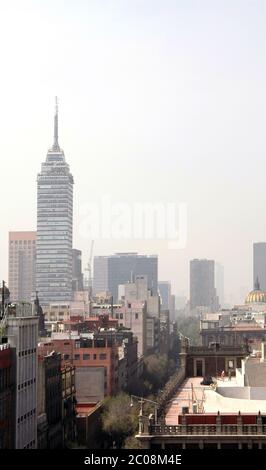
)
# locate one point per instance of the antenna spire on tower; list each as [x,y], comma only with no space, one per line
[56,145]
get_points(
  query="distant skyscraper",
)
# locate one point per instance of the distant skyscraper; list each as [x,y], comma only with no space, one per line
[164,288]
[22,265]
[259,264]
[219,282]
[54,226]
[77,276]
[202,284]
[111,271]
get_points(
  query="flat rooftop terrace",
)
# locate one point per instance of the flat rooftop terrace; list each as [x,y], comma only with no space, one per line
[211,401]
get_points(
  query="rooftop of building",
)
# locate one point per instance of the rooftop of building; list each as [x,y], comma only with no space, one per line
[218,349]
[21,309]
[210,401]
[85,409]
[99,318]
[121,255]
[23,235]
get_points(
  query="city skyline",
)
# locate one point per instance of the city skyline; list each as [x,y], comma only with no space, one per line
[133,273]
[166,100]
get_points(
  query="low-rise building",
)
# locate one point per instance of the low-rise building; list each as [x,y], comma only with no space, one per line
[69,403]
[50,387]
[233,328]
[225,414]
[95,360]
[7,397]
[22,333]
[56,401]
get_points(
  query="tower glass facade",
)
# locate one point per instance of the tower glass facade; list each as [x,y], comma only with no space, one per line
[111,271]
[202,284]
[259,264]
[54,226]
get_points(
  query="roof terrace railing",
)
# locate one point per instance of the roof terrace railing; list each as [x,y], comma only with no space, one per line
[210,430]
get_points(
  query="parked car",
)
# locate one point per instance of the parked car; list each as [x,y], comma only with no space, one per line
[207,380]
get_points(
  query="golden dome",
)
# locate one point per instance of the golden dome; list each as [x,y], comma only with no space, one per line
[256,295]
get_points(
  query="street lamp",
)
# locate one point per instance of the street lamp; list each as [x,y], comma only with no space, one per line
[141,400]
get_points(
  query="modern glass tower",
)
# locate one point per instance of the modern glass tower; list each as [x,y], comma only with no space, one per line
[54,226]
[111,271]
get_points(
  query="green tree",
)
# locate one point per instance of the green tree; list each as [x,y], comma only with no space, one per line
[118,419]
[190,327]
[132,443]
[155,371]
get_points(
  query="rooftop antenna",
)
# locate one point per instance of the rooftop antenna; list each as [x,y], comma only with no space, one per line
[56,147]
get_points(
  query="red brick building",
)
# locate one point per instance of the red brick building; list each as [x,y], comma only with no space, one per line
[86,352]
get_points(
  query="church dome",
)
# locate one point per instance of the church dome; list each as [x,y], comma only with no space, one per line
[256,295]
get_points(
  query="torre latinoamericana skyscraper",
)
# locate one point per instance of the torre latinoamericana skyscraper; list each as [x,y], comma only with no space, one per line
[54,226]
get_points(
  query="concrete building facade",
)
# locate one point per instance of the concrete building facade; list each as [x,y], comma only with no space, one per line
[22,265]
[22,333]
[7,397]
[202,284]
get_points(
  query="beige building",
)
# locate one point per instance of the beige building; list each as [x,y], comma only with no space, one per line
[57,312]
[134,316]
[79,306]
[22,265]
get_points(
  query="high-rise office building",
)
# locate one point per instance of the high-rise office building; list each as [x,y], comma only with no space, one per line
[111,271]
[164,288]
[259,264]
[202,284]
[54,226]
[22,265]
[219,282]
[77,276]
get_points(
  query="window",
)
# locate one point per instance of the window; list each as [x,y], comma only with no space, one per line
[66,356]
[102,357]
[121,316]
[94,356]
[86,357]
[77,357]
[136,316]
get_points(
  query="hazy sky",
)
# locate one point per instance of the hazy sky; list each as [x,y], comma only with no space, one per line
[158,101]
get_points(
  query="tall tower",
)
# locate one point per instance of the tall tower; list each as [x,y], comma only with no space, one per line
[54,226]
[202,284]
[259,264]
